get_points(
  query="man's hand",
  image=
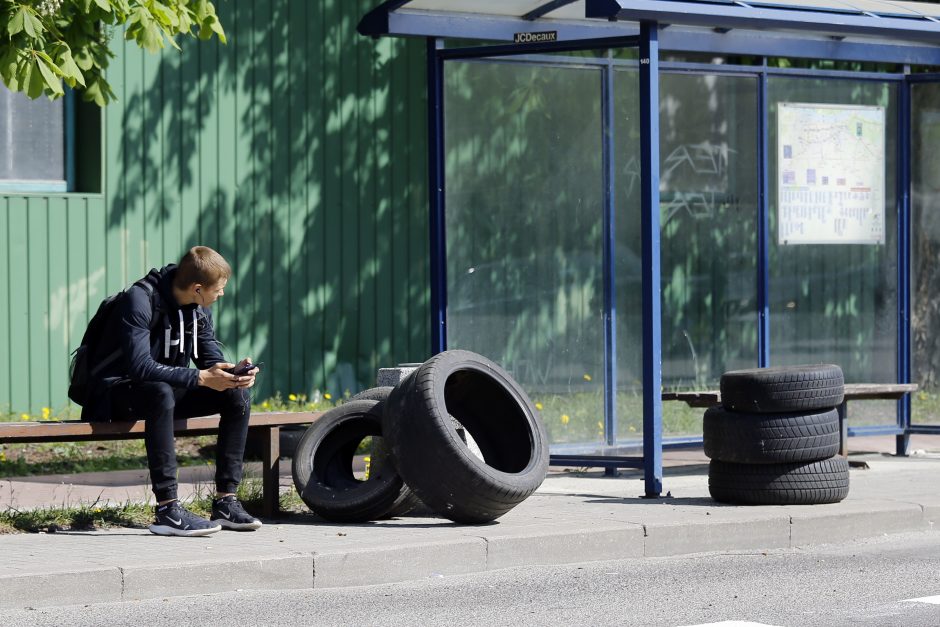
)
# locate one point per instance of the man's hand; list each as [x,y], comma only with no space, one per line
[218,379]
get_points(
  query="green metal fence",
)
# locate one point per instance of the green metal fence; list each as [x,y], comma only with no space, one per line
[297,150]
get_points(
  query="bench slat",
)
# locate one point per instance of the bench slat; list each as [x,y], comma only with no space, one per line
[78,431]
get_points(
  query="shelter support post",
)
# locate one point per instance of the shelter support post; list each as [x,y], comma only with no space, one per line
[652,322]
[904,264]
[610,289]
[763,226]
[435,70]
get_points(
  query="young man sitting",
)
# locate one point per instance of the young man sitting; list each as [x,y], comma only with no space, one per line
[160,325]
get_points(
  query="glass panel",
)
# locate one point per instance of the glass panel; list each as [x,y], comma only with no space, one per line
[834,300]
[31,139]
[628,254]
[524,205]
[708,199]
[925,249]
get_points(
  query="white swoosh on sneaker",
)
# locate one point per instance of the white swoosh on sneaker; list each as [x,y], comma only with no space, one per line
[226,514]
[175,522]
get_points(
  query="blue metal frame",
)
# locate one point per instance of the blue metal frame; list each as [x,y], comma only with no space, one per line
[652,304]
[70,145]
[610,288]
[763,221]
[741,15]
[904,262]
[546,8]
[435,70]
[385,20]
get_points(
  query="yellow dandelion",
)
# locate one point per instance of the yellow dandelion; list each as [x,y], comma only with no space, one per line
[24,416]
[565,419]
[266,405]
[97,510]
[600,425]
[327,396]
[46,412]
[632,429]
[538,406]
[587,377]
[3,457]
[922,396]
[292,397]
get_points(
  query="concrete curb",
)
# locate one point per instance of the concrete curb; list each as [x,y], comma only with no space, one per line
[478,549]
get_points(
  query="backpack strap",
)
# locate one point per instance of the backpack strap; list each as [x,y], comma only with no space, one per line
[154,320]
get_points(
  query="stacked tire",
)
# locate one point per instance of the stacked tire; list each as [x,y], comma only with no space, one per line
[774,440]
[458,434]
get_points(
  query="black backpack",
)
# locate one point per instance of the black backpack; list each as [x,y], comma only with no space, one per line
[81,372]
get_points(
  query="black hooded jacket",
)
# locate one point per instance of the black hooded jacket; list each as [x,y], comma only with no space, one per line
[158,340]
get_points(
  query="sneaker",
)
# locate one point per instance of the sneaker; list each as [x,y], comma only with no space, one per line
[173,519]
[228,512]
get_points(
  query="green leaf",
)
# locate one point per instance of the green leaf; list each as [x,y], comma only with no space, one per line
[84,59]
[34,82]
[8,63]
[32,25]
[16,24]
[69,68]
[104,5]
[151,37]
[48,70]
[163,13]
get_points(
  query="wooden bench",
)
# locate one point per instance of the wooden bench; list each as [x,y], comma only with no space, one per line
[853,392]
[266,426]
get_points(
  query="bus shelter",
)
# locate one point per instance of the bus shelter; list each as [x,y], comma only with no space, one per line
[633,196]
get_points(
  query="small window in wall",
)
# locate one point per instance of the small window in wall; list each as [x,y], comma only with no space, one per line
[32,144]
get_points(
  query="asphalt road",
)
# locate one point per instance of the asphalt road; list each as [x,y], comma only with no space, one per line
[868,582]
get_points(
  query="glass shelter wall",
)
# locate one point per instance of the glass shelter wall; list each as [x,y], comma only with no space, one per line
[525,195]
[833,286]
[708,217]
[925,251]
[524,207]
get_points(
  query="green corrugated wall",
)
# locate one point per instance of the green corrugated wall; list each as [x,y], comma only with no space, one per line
[297,150]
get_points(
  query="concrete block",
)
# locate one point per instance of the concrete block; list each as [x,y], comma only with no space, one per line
[729,535]
[826,524]
[553,547]
[73,587]
[164,580]
[399,563]
[393,376]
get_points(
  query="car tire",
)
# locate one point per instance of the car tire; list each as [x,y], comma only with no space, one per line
[381,456]
[808,483]
[770,438]
[322,466]
[438,465]
[782,389]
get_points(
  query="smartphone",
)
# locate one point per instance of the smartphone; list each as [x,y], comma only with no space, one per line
[243,369]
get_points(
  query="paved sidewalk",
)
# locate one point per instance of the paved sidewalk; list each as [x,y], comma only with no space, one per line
[574,517]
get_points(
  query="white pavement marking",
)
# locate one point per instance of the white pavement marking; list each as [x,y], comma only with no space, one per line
[932,600]
[732,623]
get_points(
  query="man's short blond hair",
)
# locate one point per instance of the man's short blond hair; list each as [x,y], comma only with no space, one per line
[201,265]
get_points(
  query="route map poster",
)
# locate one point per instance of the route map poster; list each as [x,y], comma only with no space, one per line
[830,174]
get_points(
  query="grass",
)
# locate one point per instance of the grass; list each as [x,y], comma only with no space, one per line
[95,516]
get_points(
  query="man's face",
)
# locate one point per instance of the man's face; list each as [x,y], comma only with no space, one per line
[208,295]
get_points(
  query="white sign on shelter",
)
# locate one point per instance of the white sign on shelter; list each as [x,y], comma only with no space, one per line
[830,174]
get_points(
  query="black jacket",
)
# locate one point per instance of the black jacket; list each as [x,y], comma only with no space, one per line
[156,337]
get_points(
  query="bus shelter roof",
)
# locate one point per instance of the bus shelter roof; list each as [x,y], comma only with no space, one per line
[867,30]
